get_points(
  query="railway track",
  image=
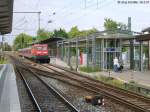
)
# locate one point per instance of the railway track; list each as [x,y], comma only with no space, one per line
[45,97]
[135,101]
[26,102]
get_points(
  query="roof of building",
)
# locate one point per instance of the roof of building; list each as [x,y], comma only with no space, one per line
[143,37]
[47,41]
[117,34]
[6,13]
[50,40]
[146,29]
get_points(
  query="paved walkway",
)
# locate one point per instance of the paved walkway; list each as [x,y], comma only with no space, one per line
[142,78]
[9,100]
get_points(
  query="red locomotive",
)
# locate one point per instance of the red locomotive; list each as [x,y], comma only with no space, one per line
[37,52]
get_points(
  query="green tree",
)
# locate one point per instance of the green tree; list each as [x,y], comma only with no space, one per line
[110,24]
[22,41]
[60,33]
[42,34]
[88,32]
[74,32]
[93,30]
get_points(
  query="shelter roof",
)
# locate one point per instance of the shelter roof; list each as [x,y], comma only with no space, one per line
[146,29]
[50,40]
[143,37]
[6,15]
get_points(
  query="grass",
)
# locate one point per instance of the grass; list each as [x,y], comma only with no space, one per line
[89,69]
[110,80]
[131,86]
[3,60]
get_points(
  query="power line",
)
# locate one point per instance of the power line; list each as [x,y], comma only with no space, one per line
[108,3]
[21,24]
[72,13]
[25,21]
[27,12]
[20,20]
[75,11]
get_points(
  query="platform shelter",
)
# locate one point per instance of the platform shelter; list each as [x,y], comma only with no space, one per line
[144,41]
[99,49]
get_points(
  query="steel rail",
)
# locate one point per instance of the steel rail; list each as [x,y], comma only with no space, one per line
[78,74]
[104,92]
[70,105]
[28,89]
[140,109]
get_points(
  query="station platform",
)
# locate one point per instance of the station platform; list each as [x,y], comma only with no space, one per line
[9,99]
[142,78]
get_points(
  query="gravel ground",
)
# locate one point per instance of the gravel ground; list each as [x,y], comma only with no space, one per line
[76,96]
[45,97]
[25,101]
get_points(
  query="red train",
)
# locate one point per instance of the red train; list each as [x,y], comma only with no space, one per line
[37,52]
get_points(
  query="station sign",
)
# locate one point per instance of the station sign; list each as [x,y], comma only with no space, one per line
[110,49]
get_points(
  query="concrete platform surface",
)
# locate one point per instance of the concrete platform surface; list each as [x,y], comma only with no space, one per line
[9,99]
[142,78]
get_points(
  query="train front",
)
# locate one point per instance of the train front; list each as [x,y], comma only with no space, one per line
[40,53]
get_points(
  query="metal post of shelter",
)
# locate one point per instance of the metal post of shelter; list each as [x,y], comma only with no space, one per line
[141,56]
[102,52]
[149,55]
[62,51]
[87,51]
[76,54]
[93,51]
[121,51]
[69,55]
[57,52]
[131,55]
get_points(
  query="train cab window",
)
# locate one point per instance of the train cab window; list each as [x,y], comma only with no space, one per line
[41,48]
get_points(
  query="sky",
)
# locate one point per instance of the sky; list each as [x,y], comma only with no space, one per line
[85,14]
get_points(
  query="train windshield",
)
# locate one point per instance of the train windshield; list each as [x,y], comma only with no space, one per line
[41,47]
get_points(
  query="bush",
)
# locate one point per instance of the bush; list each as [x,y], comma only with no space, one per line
[110,80]
[89,69]
[2,60]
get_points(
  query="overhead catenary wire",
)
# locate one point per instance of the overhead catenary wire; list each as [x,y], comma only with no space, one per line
[18,21]
[75,11]
[84,11]
[72,21]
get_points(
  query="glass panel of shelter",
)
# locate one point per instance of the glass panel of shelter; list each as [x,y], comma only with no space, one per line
[111,50]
